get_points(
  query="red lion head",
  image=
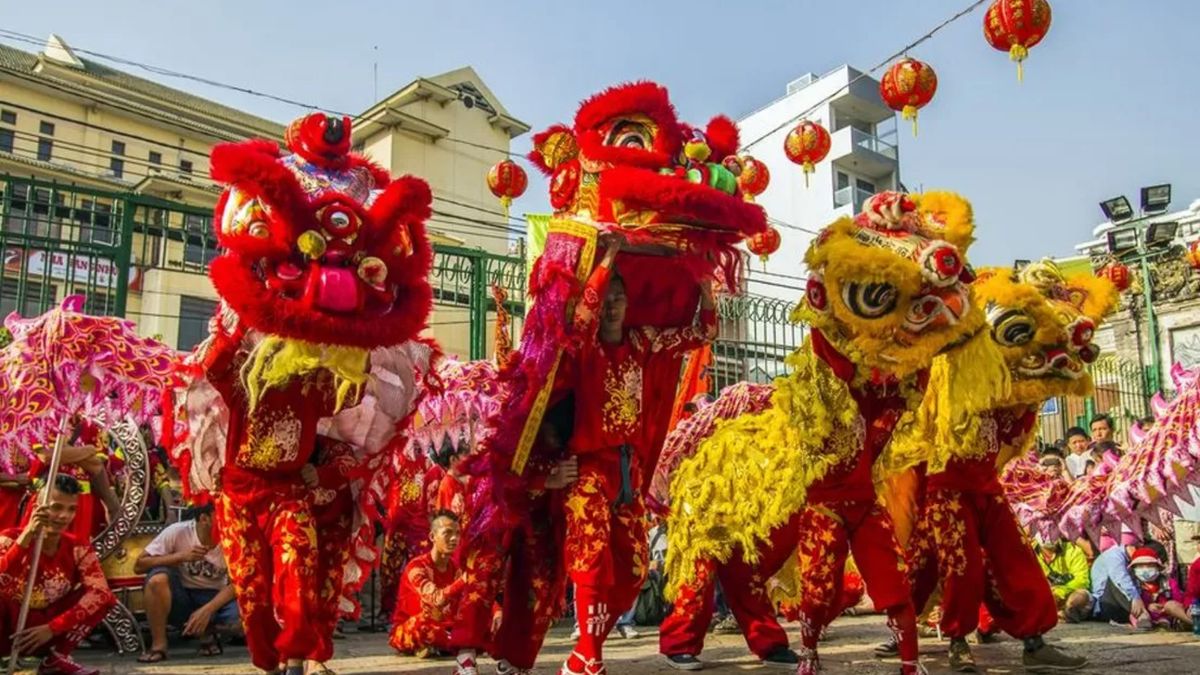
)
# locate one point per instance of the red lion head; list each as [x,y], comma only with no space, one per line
[629,161]
[319,244]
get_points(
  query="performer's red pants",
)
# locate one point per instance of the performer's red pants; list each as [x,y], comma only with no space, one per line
[533,596]
[333,554]
[392,559]
[828,532]
[270,546]
[420,632]
[481,570]
[606,552]
[744,586]
[980,556]
[62,644]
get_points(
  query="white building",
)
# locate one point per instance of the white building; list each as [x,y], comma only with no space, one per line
[863,159]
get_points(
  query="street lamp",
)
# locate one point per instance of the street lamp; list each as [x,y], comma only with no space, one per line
[1138,241]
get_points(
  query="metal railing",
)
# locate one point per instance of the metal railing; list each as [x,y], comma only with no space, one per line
[873,143]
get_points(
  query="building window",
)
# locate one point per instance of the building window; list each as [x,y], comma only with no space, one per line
[45,149]
[843,181]
[194,314]
[118,148]
[96,222]
[155,157]
[185,165]
[39,214]
[865,185]
[6,140]
[8,117]
[46,129]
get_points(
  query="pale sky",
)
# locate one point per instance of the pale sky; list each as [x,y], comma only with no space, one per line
[1108,103]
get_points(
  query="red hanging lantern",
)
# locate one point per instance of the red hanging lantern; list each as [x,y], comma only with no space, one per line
[754,178]
[907,86]
[806,145]
[507,180]
[1117,273]
[1014,26]
[764,243]
[1193,255]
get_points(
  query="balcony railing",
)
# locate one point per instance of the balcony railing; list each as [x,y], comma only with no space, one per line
[851,194]
[872,143]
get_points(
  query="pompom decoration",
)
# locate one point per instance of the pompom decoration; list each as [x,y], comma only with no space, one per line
[507,180]
[806,145]
[1014,26]
[907,87]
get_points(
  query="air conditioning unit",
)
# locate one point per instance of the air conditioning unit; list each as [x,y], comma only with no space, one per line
[801,82]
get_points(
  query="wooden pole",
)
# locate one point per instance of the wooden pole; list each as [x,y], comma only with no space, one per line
[43,499]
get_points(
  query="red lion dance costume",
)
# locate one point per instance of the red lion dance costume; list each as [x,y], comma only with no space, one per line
[627,165]
[313,359]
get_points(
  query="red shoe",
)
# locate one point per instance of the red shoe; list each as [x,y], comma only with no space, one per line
[57,664]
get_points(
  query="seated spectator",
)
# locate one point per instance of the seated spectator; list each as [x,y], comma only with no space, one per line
[1066,568]
[1158,593]
[1115,592]
[187,585]
[429,588]
[70,595]
[1079,457]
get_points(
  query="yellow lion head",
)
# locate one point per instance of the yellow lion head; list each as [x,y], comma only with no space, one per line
[889,288]
[1043,324]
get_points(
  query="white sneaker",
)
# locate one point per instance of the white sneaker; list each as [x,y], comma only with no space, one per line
[628,632]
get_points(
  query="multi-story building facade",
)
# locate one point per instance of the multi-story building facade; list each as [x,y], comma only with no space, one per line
[104,185]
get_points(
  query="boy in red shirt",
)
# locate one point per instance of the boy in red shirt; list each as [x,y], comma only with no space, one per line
[70,594]
[606,545]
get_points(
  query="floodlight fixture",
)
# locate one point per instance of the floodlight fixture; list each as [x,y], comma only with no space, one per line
[1156,198]
[1117,209]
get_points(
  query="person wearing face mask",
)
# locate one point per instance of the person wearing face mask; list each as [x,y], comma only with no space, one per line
[1156,591]
[1115,589]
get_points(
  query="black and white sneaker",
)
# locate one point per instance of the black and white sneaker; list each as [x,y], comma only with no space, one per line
[782,658]
[683,662]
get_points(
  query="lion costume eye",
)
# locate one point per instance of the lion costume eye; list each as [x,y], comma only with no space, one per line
[870,300]
[630,134]
[1013,329]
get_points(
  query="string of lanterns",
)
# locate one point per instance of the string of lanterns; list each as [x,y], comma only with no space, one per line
[909,84]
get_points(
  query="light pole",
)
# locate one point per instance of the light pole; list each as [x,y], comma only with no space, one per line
[1141,240]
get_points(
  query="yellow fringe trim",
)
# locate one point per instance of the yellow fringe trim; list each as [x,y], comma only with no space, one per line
[276,360]
[753,473]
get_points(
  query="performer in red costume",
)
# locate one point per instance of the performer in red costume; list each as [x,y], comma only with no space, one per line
[842,516]
[429,588]
[323,280]
[535,584]
[606,546]
[70,595]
